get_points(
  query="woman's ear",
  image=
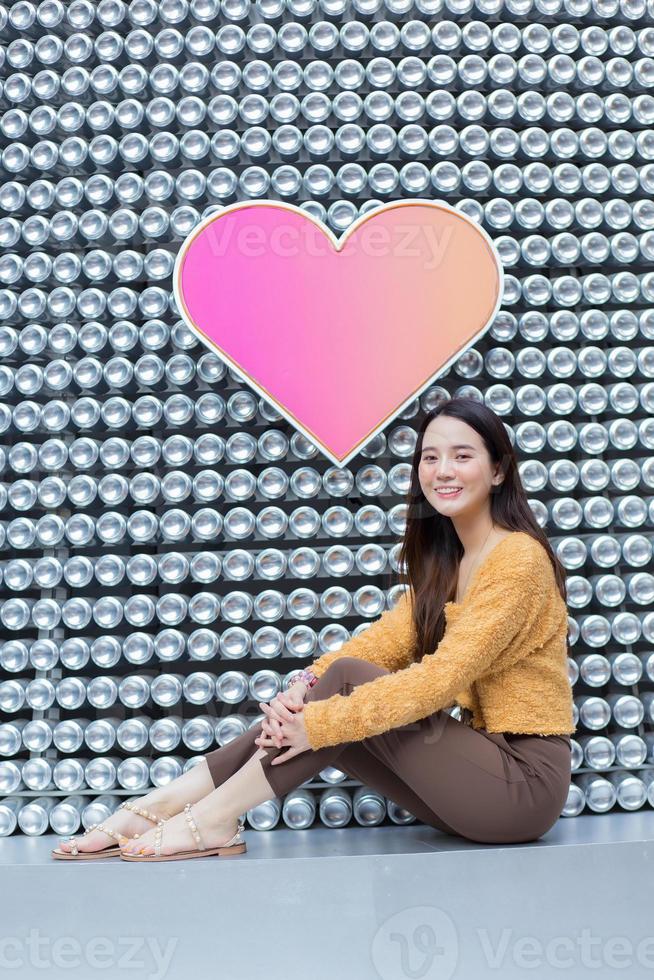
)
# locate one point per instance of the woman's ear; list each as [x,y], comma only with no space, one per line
[498,478]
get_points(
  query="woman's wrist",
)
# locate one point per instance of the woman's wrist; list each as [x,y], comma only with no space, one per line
[303,689]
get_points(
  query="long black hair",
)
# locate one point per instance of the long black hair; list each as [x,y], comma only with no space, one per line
[431,550]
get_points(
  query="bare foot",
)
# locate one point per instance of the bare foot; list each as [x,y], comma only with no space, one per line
[122,821]
[177,835]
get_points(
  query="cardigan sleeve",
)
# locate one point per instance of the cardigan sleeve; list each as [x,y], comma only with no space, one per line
[388,642]
[506,597]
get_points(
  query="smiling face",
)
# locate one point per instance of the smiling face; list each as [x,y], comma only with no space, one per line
[453,455]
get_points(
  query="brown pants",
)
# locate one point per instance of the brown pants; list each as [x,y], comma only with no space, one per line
[483,786]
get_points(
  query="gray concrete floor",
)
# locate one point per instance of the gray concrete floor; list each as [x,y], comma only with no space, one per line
[393,902]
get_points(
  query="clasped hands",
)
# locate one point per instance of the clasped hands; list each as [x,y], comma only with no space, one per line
[284,723]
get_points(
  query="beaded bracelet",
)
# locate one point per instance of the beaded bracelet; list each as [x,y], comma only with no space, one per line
[306,676]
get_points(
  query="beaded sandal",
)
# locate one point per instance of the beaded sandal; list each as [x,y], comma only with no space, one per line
[75,855]
[235,845]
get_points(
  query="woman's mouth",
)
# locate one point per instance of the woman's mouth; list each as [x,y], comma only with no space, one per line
[446,494]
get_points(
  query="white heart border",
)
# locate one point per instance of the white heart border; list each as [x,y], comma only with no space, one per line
[338,244]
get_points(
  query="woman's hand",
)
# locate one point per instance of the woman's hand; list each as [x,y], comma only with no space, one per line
[270,737]
[289,700]
[292,698]
[292,732]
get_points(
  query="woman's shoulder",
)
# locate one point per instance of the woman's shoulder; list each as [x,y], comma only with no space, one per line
[525,566]
[519,551]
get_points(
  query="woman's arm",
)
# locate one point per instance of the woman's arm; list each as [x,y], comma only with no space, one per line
[506,599]
[388,642]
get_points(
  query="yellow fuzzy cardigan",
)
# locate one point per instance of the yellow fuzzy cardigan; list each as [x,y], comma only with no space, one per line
[503,655]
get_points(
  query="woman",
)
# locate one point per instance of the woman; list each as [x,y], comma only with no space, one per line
[482,625]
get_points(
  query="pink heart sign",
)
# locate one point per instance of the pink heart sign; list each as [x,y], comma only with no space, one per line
[340,335]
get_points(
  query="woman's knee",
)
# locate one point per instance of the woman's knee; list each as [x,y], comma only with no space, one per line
[344,673]
[354,670]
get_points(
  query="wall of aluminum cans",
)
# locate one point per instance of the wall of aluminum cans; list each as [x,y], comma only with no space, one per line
[171,550]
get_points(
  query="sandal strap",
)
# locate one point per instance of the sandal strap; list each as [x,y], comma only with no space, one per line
[236,839]
[112,833]
[121,838]
[148,814]
[89,830]
[194,828]
[158,834]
